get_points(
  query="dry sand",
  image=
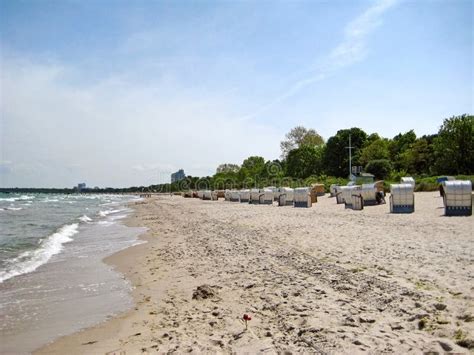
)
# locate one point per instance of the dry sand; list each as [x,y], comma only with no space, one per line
[320,280]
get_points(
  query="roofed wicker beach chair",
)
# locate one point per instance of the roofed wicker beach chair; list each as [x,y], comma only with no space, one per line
[339,196]
[207,195]
[244,196]
[266,196]
[276,193]
[368,192]
[347,192]
[402,198]
[302,197]
[188,194]
[234,196]
[457,198]
[254,196]
[357,202]
[286,197]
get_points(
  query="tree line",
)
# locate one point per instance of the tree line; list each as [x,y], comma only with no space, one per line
[306,157]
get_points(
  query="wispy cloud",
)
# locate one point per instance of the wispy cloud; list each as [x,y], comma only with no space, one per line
[351,49]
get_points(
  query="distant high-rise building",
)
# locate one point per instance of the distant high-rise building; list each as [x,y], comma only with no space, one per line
[179,175]
[81,186]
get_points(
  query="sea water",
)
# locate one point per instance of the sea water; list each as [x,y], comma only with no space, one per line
[53,281]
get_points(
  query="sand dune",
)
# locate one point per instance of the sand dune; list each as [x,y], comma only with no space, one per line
[325,280]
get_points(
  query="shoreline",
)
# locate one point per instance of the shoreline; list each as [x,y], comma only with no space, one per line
[62,283]
[321,279]
[122,263]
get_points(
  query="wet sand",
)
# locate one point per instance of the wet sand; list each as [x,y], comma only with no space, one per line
[320,280]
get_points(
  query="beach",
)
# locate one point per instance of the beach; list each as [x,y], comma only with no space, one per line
[323,279]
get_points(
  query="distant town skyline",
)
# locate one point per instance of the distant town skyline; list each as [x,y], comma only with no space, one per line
[124,94]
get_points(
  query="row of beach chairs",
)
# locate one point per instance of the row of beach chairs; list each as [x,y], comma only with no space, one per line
[285,196]
[457,196]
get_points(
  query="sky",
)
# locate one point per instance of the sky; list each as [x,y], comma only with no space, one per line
[119,93]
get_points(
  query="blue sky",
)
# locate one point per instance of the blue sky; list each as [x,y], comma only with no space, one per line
[141,89]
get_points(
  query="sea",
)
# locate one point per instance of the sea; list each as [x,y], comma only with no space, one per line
[53,280]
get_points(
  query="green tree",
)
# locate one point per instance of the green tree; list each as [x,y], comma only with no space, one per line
[372,138]
[336,156]
[419,158]
[225,168]
[398,145]
[305,161]
[252,168]
[381,168]
[298,137]
[274,169]
[454,146]
[377,149]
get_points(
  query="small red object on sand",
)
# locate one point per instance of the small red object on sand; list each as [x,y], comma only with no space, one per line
[246,319]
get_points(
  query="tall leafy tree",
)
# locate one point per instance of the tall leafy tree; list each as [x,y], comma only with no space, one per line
[377,149]
[252,168]
[305,161]
[273,169]
[398,146]
[337,155]
[454,146]
[298,137]
[419,158]
[226,168]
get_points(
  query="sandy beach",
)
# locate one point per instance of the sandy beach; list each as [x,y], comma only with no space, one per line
[320,280]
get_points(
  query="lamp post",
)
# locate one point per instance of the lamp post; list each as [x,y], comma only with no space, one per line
[350,147]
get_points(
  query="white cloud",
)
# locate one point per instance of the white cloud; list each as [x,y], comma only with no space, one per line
[352,49]
[354,45]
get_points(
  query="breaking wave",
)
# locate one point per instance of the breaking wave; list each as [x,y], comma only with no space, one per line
[30,260]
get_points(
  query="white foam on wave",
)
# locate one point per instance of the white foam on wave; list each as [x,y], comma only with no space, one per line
[31,260]
[107,212]
[119,216]
[110,203]
[83,197]
[19,198]
[50,200]
[13,208]
[85,218]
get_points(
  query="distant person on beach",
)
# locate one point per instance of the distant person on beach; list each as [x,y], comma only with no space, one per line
[380,197]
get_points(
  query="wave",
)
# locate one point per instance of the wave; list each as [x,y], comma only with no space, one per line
[31,260]
[50,200]
[106,213]
[11,208]
[85,219]
[119,216]
[19,198]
